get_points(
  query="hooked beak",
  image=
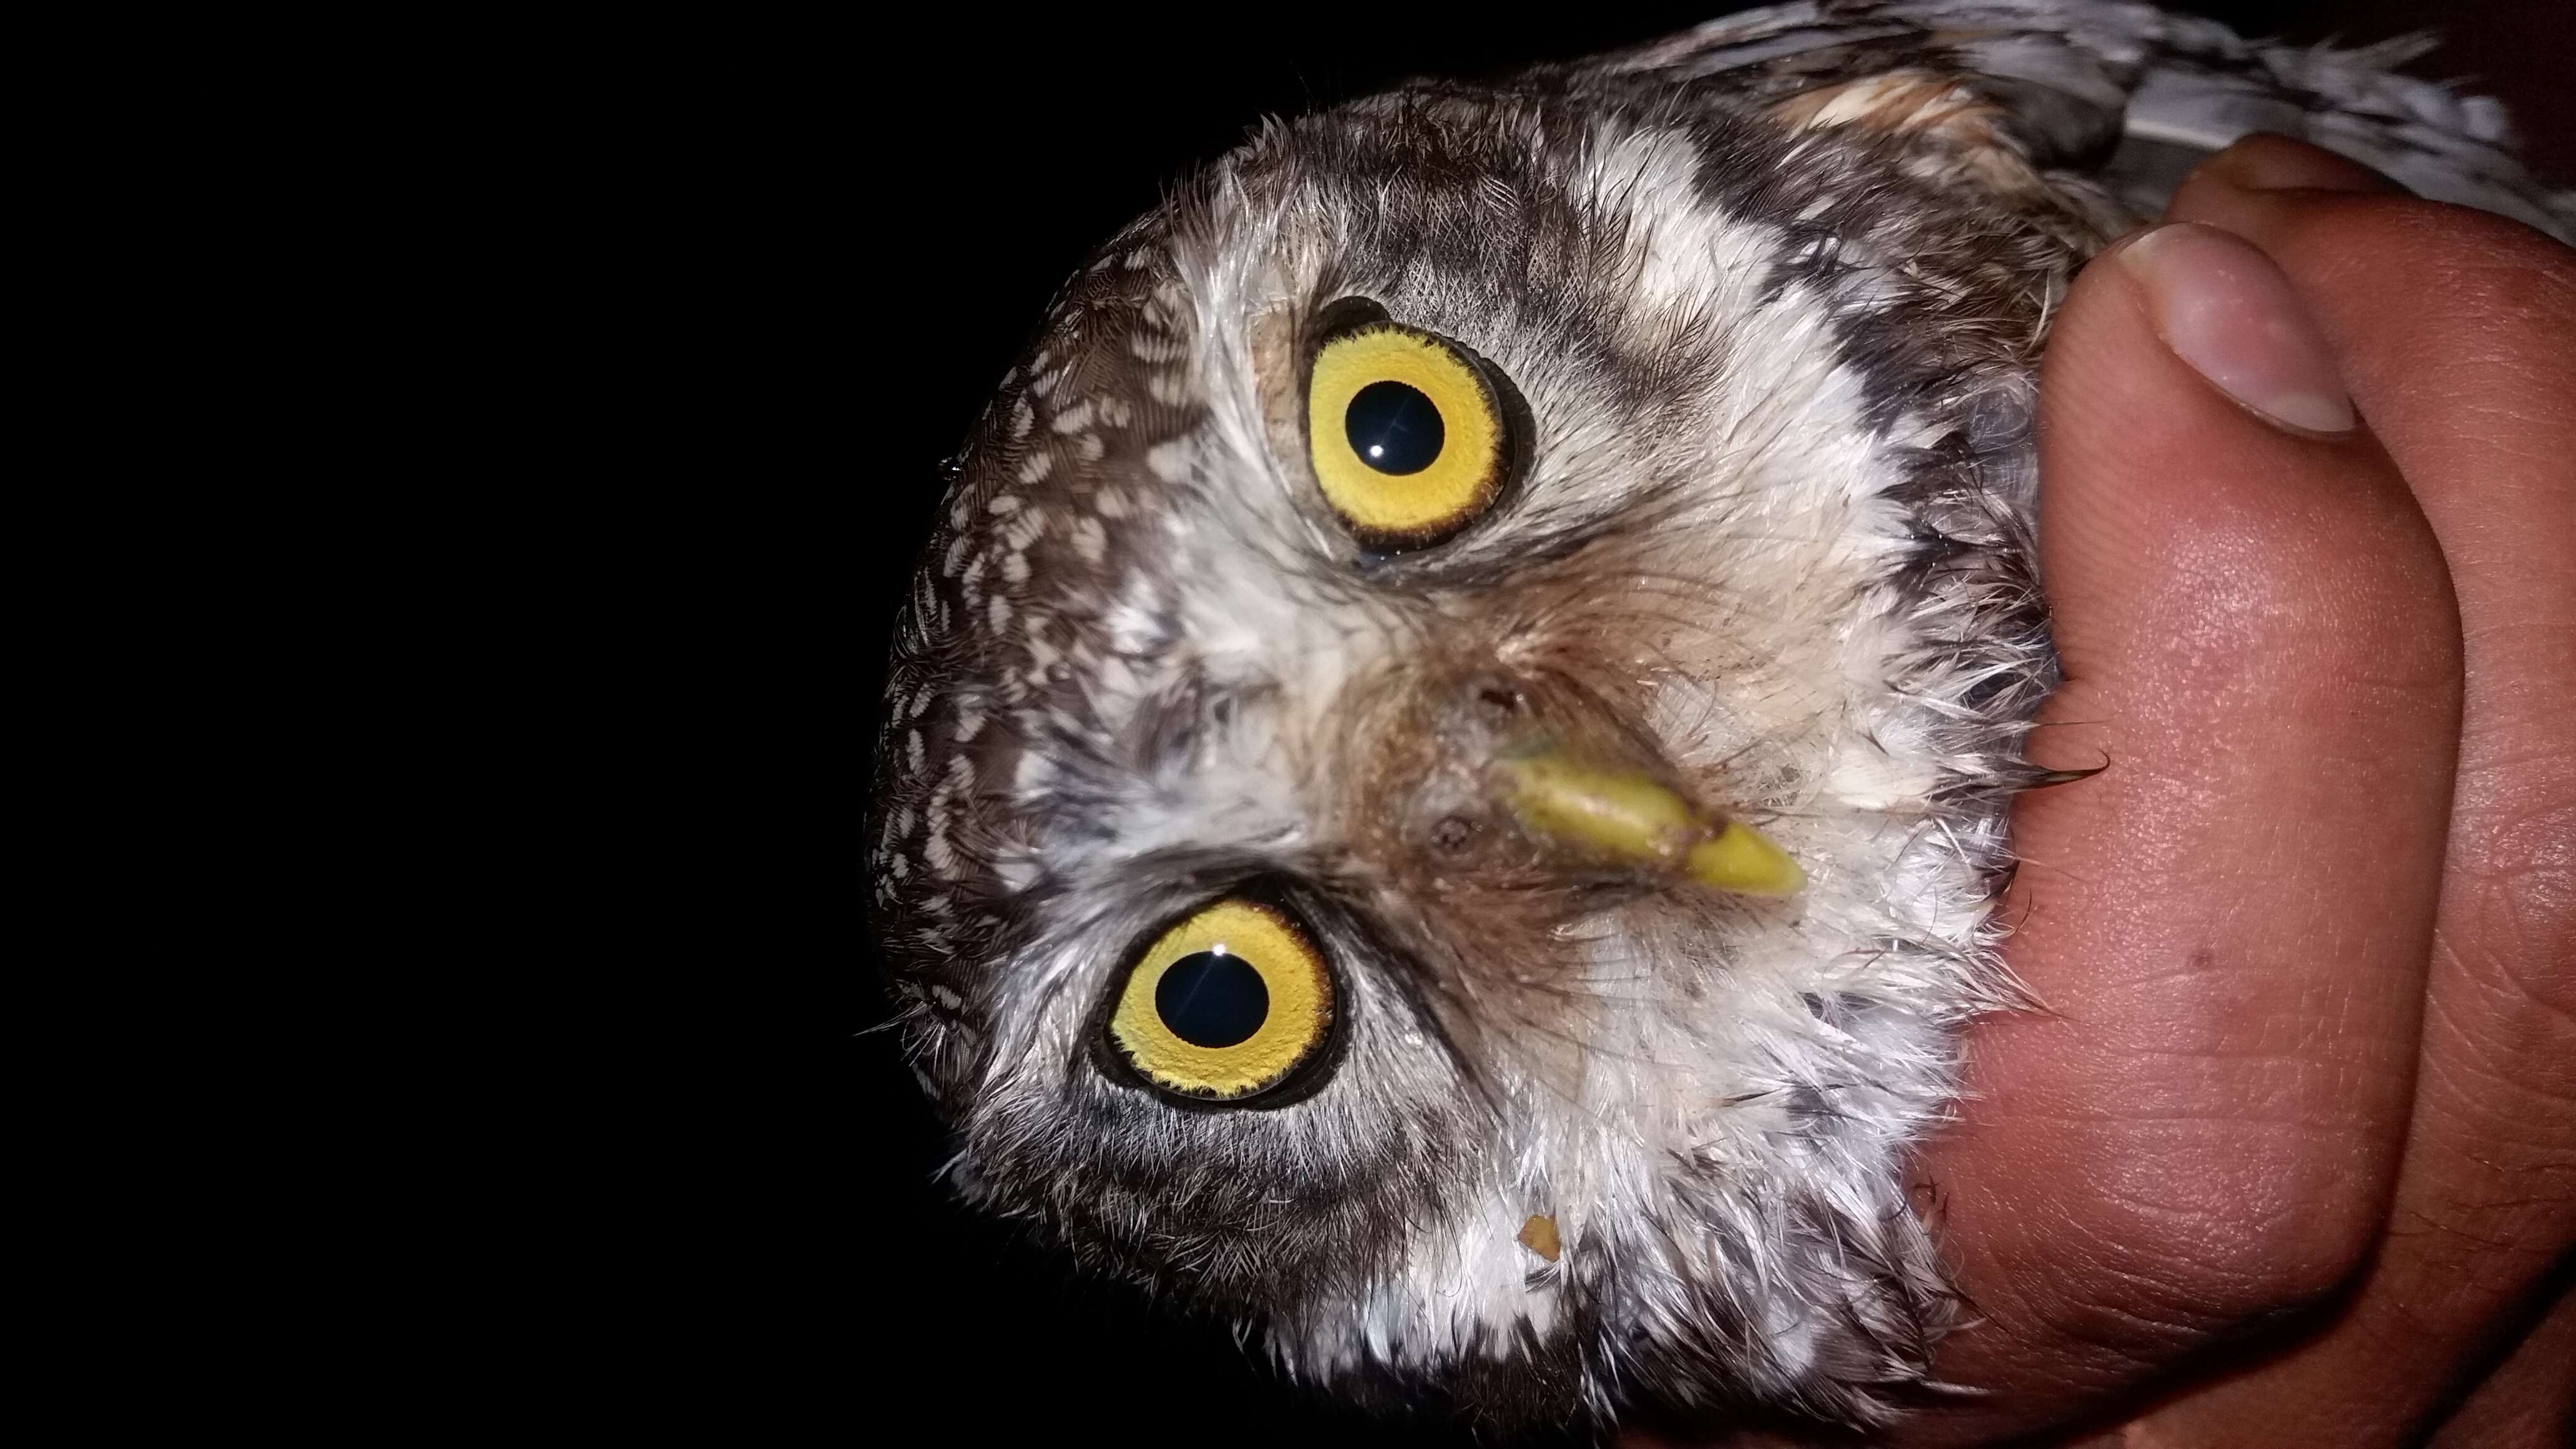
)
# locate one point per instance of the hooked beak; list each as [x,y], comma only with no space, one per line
[1629,818]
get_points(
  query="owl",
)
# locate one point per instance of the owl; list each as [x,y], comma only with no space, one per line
[1444,775]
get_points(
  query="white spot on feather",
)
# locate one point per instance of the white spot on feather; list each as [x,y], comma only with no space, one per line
[1168,460]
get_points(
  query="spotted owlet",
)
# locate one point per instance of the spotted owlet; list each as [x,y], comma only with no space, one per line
[1444,772]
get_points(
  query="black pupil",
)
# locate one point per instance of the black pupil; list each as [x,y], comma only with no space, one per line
[1394,428]
[1212,1000]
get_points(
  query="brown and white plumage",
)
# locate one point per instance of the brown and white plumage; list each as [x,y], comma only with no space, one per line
[1770,294]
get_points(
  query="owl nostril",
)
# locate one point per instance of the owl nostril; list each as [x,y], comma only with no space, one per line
[1453,833]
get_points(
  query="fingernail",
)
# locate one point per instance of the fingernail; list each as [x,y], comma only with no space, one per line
[2279,163]
[2228,312]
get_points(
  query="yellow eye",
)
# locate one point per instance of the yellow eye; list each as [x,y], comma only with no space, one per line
[1226,1004]
[1406,434]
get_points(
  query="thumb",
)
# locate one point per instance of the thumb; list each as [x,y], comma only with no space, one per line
[2227,928]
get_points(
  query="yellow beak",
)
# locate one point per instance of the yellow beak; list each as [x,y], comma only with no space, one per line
[1630,818]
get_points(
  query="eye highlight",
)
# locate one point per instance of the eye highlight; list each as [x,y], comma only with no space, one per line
[1406,434]
[1225,1005]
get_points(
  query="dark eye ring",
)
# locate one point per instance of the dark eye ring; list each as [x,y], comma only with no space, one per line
[1225,1004]
[1410,435]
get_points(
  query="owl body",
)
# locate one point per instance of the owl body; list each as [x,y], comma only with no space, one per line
[1736,336]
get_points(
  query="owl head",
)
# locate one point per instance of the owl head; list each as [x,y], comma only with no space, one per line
[1440,789]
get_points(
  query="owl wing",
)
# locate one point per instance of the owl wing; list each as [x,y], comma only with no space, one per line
[2126,96]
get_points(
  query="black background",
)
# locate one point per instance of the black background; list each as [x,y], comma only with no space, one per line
[851,233]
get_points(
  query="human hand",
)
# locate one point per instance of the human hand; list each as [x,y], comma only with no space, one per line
[2290,1154]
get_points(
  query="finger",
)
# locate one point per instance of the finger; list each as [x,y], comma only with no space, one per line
[2529,1402]
[2227,927]
[2458,336]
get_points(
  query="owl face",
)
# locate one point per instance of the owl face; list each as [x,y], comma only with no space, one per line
[1440,788]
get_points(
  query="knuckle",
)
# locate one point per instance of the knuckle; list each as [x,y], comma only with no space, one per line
[2511,914]
[2513,918]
